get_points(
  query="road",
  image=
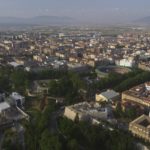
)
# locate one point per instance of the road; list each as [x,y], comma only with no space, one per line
[1,139]
[55,116]
[20,130]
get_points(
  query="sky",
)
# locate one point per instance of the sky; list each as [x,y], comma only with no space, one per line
[87,10]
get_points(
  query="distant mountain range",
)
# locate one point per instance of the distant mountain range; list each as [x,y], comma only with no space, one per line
[58,20]
[144,21]
[39,20]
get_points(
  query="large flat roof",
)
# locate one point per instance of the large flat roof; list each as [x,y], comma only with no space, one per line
[109,94]
[3,106]
[140,92]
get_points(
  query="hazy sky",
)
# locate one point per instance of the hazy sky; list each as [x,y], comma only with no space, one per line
[93,10]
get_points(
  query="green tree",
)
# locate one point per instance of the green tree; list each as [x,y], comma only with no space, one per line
[73,145]
[49,142]
[19,80]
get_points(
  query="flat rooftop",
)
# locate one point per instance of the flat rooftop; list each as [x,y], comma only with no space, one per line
[143,122]
[141,92]
[86,107]
[10,115]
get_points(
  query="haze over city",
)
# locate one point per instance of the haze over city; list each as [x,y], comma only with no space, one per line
[96,11]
